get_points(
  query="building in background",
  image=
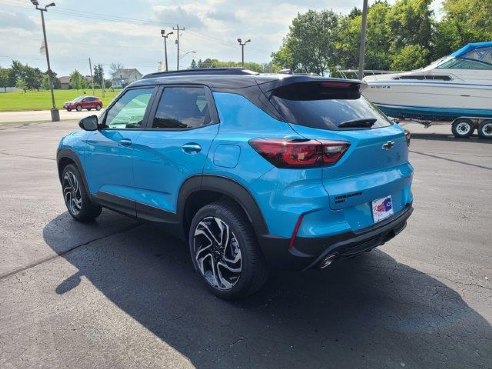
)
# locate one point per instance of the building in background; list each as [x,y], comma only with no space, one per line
[64,82]
[123,77]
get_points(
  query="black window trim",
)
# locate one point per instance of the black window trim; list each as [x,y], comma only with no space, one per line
[147,110]
[214,116]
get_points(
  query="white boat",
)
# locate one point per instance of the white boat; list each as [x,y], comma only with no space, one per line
[458,85]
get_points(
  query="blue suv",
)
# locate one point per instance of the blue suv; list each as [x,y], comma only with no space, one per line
[252,170]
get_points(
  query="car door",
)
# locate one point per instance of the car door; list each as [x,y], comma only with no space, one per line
[109,154]
[85,103]
[174,148]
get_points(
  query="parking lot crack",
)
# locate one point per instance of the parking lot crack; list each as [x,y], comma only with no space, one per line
[52,257]
[25,156]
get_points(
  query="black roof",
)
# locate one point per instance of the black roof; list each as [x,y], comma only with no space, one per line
[225,79]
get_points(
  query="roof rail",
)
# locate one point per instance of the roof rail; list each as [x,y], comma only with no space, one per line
[205,71]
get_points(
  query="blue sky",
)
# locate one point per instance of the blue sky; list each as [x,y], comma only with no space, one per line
[128,32]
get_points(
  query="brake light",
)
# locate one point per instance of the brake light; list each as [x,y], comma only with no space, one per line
[299,154]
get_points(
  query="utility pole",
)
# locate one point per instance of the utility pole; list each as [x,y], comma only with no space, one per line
[177,43]
[55,114]
[241,43]
[103,83]
[92,77]
[165,36]
[363,31]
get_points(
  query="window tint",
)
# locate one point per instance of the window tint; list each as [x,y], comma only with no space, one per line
[326,105]
[182,107]
[129,110]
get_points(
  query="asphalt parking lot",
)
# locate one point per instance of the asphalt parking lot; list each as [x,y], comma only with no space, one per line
[118,293]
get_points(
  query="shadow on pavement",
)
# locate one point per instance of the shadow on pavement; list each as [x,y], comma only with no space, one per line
[366,312]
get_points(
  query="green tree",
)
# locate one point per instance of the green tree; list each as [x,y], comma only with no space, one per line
[4,78]
[77,81]
[464,21]
[310,43]
[409,57]
[33,78]
[17,71]
[193,64]
[98,74]
[21,84]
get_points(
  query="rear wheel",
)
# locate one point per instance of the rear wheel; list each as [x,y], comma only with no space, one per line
[225,252]
[485,129]
[79,108]
[462,128]
[76,198]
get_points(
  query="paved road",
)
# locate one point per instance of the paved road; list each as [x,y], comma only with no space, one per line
[42,115]
[121,294]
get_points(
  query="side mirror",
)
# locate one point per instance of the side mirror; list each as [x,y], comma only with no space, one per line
[89,123]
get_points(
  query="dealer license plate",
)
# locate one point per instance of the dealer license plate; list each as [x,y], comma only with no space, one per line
[382,208]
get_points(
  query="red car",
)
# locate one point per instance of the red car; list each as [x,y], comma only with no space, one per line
[84,102]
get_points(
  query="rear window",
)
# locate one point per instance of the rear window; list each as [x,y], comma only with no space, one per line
[327,105]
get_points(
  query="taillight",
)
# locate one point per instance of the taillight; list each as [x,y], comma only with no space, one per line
[299,154]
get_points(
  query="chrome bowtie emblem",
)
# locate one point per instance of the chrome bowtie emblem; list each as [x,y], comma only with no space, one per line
[388,145]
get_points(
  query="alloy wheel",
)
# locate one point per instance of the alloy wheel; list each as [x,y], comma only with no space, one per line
[71,193]
[217,253]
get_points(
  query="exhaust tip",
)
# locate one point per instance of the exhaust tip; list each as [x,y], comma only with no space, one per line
[327,261]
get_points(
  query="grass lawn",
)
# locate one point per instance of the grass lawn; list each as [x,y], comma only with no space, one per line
[41,100]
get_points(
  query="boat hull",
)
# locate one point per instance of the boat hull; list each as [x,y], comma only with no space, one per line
[429,100]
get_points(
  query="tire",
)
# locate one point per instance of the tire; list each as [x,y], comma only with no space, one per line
[462,128]
[77,200]
[79,108]
[89,109]
[485,129]
[98,107]
[234,270]
[69,109]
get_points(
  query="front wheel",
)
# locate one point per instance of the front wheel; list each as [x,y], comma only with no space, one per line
[76,198]
[485,129]
[225,252]
[462,128]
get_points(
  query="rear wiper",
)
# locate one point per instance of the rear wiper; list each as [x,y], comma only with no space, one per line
[358,123]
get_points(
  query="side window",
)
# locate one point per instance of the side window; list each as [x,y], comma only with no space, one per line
[182,107]
[129,110]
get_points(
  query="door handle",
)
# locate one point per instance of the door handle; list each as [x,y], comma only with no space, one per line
[125,141]
[191,148]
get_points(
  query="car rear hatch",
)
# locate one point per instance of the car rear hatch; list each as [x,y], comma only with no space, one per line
[375,164]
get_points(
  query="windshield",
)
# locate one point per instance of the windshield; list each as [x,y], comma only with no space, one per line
[323,106]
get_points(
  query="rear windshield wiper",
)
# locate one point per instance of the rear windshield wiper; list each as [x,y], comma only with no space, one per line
[358,123]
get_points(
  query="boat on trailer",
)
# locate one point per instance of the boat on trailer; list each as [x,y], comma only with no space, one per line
[456,88]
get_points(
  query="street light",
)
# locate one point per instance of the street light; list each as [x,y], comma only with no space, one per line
[241,43]
[186,53]
[55,114]
[165,36]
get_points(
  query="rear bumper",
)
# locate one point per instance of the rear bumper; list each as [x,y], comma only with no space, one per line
[311,252]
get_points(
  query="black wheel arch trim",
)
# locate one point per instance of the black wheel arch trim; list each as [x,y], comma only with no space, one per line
[70,154]
[229,188]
